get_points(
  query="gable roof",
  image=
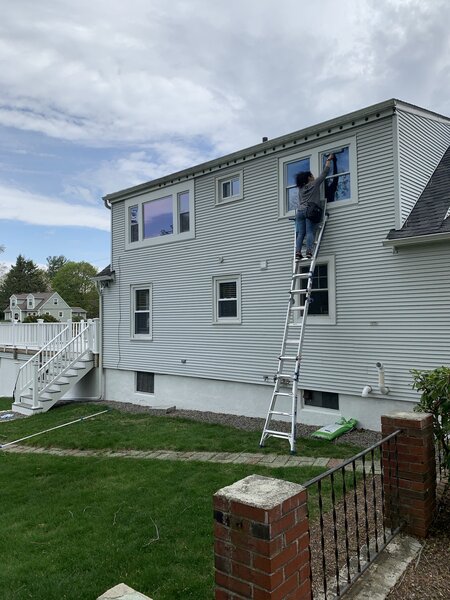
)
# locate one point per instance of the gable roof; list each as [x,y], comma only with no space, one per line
[430,218]
[39,297]
[320,130]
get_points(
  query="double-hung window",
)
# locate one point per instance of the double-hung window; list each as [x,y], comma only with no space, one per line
[322,305]
[161,216]
[229,187]
[141,312]
[227,299]
[340,185]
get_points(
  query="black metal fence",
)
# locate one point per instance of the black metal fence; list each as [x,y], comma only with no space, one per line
[353,516]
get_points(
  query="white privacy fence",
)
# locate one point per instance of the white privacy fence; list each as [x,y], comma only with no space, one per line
[36,335]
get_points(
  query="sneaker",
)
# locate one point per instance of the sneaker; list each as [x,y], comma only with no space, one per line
[298,256]
[309,253]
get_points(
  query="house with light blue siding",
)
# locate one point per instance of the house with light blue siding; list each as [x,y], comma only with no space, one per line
[194,301]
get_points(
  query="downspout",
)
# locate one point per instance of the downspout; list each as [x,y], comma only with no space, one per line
[100,378]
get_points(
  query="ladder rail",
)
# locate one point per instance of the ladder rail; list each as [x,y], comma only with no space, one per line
[285,355]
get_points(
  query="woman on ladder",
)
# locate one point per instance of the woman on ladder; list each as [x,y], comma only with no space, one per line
[308,189]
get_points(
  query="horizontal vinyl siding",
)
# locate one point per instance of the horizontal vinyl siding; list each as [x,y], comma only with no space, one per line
[379,296]
[422,143]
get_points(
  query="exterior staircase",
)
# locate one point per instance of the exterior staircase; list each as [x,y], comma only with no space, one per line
[55,368]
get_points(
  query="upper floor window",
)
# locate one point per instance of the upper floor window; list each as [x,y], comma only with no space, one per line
[227,299]
[340,184]
[55,300]
[161,216]
[30,302]
[134,223]
[158,217]
[183,212]
[229,187]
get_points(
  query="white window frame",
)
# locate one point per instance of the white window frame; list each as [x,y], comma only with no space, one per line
[220,181]
[133,289]
[60,314]
[174,191]
[55,300]
[329,319]
[217,280]
[315,154]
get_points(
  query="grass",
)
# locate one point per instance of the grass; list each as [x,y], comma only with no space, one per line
[73,527]
[116,430]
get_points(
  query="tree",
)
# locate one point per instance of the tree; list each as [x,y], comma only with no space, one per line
[54,263]
[73,282]
[23,277]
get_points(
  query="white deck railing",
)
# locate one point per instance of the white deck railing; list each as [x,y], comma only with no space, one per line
[33,336]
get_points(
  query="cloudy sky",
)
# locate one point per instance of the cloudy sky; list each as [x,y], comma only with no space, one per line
[99,95]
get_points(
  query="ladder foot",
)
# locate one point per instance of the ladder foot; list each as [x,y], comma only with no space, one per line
[261,445]
[293,452]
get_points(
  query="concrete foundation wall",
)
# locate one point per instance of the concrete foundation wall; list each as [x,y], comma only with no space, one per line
[237,398]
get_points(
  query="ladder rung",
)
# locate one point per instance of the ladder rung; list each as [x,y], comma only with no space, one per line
[288,357]
[282,394]
[280,434]
[299,291]
[281,413]
[297,308]
[302,275]
[292,342]
[285,376]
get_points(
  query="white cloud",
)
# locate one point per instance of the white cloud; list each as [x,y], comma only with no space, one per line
[35,209]
[148,70]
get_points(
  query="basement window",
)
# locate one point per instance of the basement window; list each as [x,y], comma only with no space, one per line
[145,382]
[328,400]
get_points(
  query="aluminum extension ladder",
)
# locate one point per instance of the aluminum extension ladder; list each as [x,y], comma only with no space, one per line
[290,357]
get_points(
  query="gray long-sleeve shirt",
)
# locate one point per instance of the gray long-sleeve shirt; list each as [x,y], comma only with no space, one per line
[311,191]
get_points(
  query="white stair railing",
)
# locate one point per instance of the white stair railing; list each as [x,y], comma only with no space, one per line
[39,367]
[61,362]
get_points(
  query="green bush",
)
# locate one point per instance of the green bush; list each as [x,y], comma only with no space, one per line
[45,318]
[435,388]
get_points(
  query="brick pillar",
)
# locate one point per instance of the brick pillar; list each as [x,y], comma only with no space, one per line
[415,499]
[262,541]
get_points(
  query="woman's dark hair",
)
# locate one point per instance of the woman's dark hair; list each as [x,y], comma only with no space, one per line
[301,179]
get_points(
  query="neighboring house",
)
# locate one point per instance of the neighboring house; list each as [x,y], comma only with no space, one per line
[38,304]
[195,298]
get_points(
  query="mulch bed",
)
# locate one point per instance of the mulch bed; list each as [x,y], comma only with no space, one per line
[429,575]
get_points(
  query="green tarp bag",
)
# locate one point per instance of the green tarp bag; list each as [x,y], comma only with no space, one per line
[330,432]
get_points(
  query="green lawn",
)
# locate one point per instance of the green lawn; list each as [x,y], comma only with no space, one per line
[120,430]
[73,527]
